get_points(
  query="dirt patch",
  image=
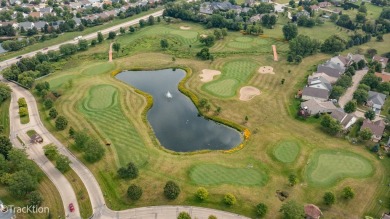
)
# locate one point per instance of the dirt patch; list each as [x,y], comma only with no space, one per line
[247,93]
[266,70]
[208,75]
[185,27]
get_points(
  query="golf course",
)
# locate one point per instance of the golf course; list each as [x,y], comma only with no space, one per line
[279,145]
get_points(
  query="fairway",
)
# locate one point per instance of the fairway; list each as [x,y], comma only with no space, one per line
[213,174]
[286,151]
[101,107]
[99,68]
[234,74]
[326,167]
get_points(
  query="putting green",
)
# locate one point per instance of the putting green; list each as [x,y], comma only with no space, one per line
[102,108]
[98,69]
[286,151]
[234,74]
[213,174]
[326,167]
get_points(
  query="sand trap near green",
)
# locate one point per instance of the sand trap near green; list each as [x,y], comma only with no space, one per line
[213,174]
[286,151]
[326,167]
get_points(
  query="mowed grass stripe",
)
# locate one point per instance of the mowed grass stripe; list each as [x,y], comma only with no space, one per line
[213,174]
[286,151]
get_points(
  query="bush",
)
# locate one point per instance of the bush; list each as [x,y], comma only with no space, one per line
[50,152]
[202,193]
[329,198]
[171,190]
[229,199]
[34,198]
[130,172]
[184,215]
[261,209]
[23,111]
[48,103]
[212,217]
[61,123]
[93,151]
[348,193]
[53,113]
[134,192]
[62,163]
[22,102]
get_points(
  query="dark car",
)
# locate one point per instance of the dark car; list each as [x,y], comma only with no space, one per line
[71,207]
[19,57]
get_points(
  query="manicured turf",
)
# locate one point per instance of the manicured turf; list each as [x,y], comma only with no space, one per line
[239,45]
[235,73]
[98,69]
[213,174]
[286,151]
[60,81]
[4,116]
[326,167]
[117,129]
[244,39]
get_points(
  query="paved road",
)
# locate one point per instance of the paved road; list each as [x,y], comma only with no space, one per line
[11,61]
[348,95]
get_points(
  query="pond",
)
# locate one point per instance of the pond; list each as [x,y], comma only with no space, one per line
[174,118]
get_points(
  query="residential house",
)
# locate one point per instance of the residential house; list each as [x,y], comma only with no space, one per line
[13,24]
[309,93]
[355,58]
[319,82]
[302,13]
[75,5]
[346,120]
[40,24]
[56,24]
[312,211]
[36,14]
[324,4]
[5,212]
[386,215]
[77,21]
[330,79]
[377,128]
[205,8]
[107,2]
[256,18]
[46,11]
[384,75]
[315,106]
[380,59]
[330,71]
[376,101]
[266,1]
[339,61]
[26,25]
[209,8]
[250,3]
[315,8]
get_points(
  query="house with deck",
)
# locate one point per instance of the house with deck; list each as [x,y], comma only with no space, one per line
[377,128]
[376,101]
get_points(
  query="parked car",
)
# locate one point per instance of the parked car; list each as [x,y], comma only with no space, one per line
[19,57]
[71,207]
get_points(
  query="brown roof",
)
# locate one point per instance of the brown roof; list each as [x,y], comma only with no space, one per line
[376,128]
[35,14]
[385,77]
[315,92]
[381,59]
[312,211]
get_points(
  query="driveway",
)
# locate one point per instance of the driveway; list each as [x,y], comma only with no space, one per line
[348,95]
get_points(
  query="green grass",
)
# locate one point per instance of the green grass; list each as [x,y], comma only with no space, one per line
[25,119]
[4,116]
[213,174]
[234,74]
[97,69]
[101,108]
[30,133]
[286,151]
[326,167]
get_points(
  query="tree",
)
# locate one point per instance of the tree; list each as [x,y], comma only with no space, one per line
[303,46]
[93,42]
[333,44]
[5,146]
[62,163]
[21,183]
[150,20]
[111,35]
[83,45]
[61,123]
[34,198]
[50,151]
[365,134]
[207,40]
[290,31]
[292,179]
[331,125]
[292,210]
[171,190]
[23,111]
[22,102]
[100,37]
[212,217]
[164,43]
[348,193]
[229,199]
[334,17]
[183,215]
[131,29]
[93,151]
[72,132]
[130,172]
[116,47]
[202,193]
[81,139]
[363,9]
[48,103]
[142,23]
[5,91]
[53,113]
[329,198]
[122,30]
[261,210]
[351,106]
[134,192]
[204,54]
[336,92]
[360,96]
[68,49]
[370,114]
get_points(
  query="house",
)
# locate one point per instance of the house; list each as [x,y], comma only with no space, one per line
[386,215]
[315,7]
[77,20]
[26,25]
[46,11]
[315,93]
[40,24]
[36,14]
[355,58]
[6,213]
[302,13]
[209,8]
[256,18]
[315,106]
[56,24]
[330,79]
[382,60]
[13,24]
[205,8]
[376,101]
[312,212]
[319,82]
[250,3]
[330,70]
[339,61]
[75,5]
[384,75]
[324,4]
[346,120]
[377,128]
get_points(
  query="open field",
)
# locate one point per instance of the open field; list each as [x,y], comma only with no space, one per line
[327,167]
[286,151]
[109,110]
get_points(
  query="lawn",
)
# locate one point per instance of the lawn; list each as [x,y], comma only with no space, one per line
[327,167]
[286,151]
[111,111]
[30,133]
[4,117]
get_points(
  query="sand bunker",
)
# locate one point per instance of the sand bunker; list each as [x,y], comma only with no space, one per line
[185,27]
[266,70]
[248,92]
[208,75]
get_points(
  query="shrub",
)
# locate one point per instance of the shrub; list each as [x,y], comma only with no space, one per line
[184,215]
[134,192]
[130,172]
[202,193]
[93,151]
[212,217]
[22,102]
[34,198]
[261,209]
[229,199]
[48,103]
[329,198]
[50,152]
[23,111]
[53,113]
[348,193]
[171,190]
[61,123]
[62,163]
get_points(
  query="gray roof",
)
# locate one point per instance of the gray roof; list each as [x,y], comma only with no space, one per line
[338,114]
[376,98]
[334,65]
[314,106]
[26,25]
[329,71]
[377,128]
[313,81]
[40,24]
[77,20]
[46,10]
[315,92]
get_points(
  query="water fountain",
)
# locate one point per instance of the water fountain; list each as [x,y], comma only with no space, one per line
[168,95]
